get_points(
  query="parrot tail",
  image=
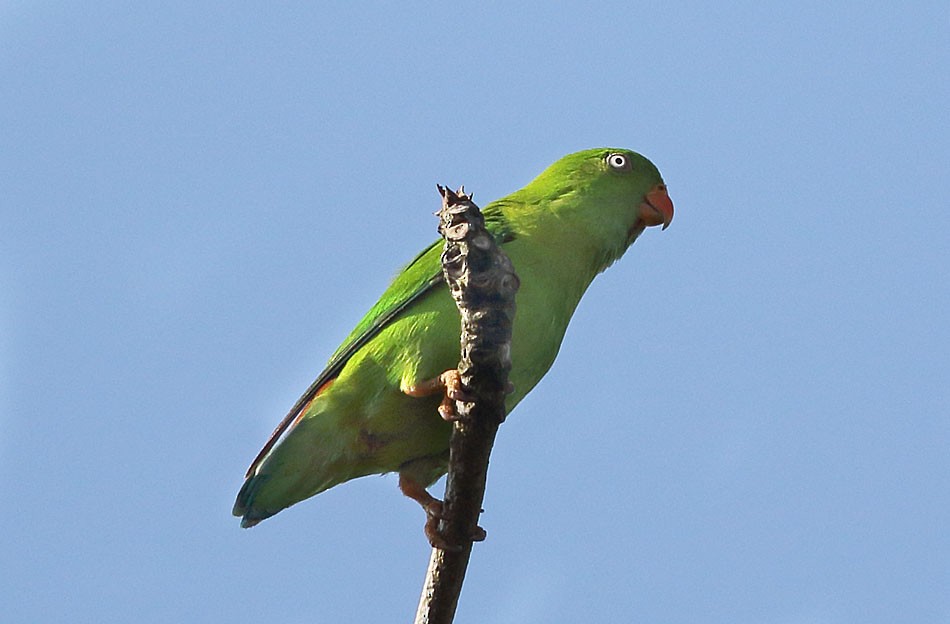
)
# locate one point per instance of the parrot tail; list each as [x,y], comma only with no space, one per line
[244,505]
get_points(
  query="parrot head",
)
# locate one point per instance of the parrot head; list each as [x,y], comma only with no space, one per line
[610,194]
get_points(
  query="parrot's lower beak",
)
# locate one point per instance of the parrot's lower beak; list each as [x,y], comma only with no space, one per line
[657,207]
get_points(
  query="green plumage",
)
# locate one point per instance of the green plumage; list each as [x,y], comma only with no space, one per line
[559,231]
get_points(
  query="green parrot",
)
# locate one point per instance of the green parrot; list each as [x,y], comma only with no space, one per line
[375,408]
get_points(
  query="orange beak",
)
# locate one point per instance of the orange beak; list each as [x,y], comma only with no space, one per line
[657,207]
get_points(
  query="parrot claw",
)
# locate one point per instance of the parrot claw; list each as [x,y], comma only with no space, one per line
[433,516]
[449,382]
[434,513]
[434,535]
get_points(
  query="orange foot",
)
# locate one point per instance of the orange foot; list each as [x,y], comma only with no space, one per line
[433,509]
[449,382]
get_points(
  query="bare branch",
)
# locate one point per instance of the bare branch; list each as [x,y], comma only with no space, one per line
[483,284]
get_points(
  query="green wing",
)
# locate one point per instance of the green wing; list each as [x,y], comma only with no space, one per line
[421,275]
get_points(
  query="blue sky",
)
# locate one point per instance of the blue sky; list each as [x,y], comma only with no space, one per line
[749,420]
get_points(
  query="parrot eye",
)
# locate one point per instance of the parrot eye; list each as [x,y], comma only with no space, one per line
[620,162]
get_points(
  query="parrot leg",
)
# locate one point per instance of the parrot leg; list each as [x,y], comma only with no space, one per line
[449,382]
[433,508]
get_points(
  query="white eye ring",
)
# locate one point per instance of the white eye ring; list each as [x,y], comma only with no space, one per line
[620,162]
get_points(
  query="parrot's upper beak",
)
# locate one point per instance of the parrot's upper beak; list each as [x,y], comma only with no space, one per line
[657,207]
